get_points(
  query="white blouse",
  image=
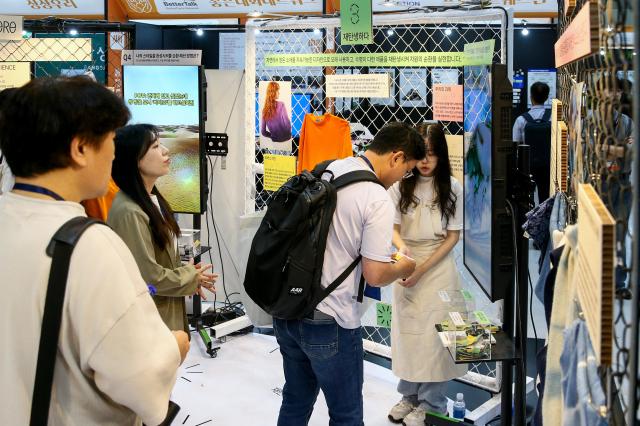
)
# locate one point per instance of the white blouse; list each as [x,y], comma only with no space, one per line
[425,192]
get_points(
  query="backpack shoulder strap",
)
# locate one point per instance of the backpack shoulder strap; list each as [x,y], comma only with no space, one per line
[320,168]
[528,117]
[343,276]
[547,115]
[59,249]
[354,177]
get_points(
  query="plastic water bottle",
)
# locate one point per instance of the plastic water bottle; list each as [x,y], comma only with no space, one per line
[459,409]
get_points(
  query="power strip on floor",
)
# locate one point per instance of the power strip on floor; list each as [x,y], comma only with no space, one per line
[231,326]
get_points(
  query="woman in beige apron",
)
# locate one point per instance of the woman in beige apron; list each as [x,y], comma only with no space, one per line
[421,231]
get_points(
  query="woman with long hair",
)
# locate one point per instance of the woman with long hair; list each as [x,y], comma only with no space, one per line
[143,219]
[276,124]
[427,226]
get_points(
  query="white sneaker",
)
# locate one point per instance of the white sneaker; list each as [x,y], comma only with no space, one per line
[416,417]
[400,410]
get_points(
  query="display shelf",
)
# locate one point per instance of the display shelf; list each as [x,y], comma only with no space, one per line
[502,350]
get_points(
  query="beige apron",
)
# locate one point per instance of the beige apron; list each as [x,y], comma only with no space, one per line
[417,351]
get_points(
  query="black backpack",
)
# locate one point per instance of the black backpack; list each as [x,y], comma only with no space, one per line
[537,134]
[287,253]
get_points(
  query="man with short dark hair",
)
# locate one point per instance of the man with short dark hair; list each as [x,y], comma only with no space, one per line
[116,360]
[539,94]
[324,351]
[534,129]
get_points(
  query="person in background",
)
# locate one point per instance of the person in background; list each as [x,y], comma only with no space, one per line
[276,124]
[539,94]
[144,220]
[116,360]
[534,129]
[324,350]
[427,224]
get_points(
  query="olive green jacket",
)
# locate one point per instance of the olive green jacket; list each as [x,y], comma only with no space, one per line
[159,266]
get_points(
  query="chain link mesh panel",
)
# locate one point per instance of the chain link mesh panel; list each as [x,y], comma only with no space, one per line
[411,101]
[57,47]
[601,144]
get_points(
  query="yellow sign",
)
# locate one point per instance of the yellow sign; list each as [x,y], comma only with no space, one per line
[480,53]
[277,170]
[413,59]
[14,74]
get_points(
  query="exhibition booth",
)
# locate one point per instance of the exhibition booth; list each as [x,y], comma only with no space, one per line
[336,86]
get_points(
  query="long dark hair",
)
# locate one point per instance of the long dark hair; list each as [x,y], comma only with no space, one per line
[445,198]
[132,143]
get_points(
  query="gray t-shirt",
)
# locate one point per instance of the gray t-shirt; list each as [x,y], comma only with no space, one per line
[362,224]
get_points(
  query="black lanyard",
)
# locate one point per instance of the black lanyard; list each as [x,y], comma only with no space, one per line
[38,190]
[366,160]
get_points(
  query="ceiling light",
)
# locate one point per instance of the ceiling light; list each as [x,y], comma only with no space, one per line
[199,32]
[448,32]
[388,3]
[256,31]
[390,32]
[316,31]
[525,32]
[255,14]
[73,32]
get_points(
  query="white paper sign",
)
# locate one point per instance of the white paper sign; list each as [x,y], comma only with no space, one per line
[14,74]
[444,76]
[231,52]
[391,99]
[161,57]
[53,7]
[10,27]
[117,41]
[358,86]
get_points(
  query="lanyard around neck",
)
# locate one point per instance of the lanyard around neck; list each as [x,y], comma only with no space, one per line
[37,190]
[366,160]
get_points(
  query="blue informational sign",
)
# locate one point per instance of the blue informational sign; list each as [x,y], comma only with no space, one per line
[547,76]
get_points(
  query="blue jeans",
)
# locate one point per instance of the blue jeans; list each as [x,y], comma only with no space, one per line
[319,354]
[581,386]
[429,396]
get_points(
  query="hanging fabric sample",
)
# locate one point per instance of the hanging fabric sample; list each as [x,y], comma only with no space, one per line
[563,314]
[584,402]
[323,137]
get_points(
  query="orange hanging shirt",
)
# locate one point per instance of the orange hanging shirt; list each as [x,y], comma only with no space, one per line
[324,137]
[98,208]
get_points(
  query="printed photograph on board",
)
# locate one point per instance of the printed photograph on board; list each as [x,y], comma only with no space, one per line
[274,99]
[413,88]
